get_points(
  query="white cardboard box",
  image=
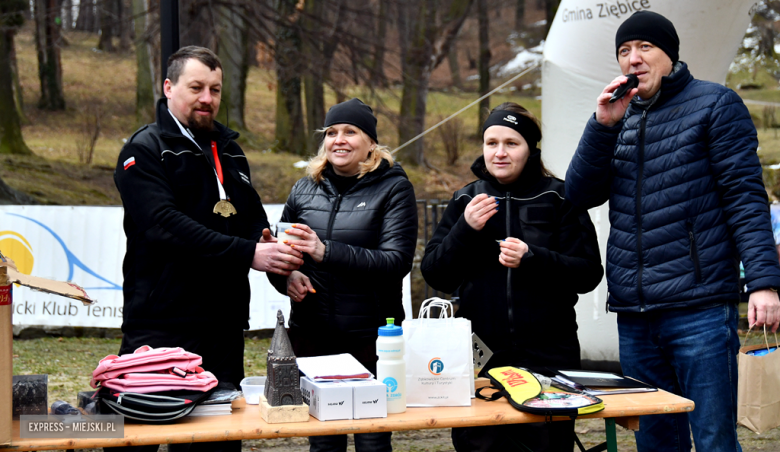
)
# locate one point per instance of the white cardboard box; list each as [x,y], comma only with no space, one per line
[327,400]
[369,399]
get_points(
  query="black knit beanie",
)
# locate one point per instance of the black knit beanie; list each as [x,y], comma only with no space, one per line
[354,112]
[651,27]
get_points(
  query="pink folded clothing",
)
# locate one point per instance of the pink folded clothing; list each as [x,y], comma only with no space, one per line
[145,383]
[156,366]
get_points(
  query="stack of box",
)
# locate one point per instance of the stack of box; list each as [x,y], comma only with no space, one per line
[350,399]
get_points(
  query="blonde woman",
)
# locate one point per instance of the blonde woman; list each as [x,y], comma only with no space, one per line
[355,220]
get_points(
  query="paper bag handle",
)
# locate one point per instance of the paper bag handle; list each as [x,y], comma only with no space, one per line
[436,302]
[766,341]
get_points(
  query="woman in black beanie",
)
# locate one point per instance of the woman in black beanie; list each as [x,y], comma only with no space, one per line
[355,218]
[518,254]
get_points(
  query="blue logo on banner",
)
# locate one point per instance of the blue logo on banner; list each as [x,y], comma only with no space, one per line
[391,384]
[73,261]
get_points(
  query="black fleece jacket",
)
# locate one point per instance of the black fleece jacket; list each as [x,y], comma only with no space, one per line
[185,267]
[525,315]
[370,233]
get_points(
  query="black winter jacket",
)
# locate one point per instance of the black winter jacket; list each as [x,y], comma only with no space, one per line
[686,198]
[185,266]
[370,233]
[512,310]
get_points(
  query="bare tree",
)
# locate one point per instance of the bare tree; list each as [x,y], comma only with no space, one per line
[519,15]
[16,83]
[377,65]
[550,8]
[290,133]
[47,43]
[431,36]
[233,51]
[148,84]
[452,59]
[11,140]
[86,20]
[67,14]
[107,20]
[484,63]
[125,25]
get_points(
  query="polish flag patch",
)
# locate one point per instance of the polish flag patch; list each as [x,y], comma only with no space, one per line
[129,162]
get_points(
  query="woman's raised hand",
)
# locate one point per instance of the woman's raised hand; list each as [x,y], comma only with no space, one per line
[479,211]
[298,285]
[512,252]
[307,242]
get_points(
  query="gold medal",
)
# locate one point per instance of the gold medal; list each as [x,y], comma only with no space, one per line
[224,208]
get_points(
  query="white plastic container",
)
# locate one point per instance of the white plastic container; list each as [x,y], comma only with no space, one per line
[253,388]
[391,367]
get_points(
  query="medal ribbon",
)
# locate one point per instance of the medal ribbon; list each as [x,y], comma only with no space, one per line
[218,170]
[217,163]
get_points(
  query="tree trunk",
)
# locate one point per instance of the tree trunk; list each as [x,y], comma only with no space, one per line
[106,26]
[428,47]
[125,25]
[402,23]
[484,63]
[519,15]
[86,18]
[17,85]
[550,8]
[290,133]
[233,40]
[9,196]
[452,59]
[314,76]
[11,140]
[47,37]
[145,80]
[67,14]
[378,65]
[198,23]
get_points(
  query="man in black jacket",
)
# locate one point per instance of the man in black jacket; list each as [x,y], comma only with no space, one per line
[194,225]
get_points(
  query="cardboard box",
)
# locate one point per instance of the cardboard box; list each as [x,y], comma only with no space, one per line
[369,399]
[9,275]
[328,400]
[6,357]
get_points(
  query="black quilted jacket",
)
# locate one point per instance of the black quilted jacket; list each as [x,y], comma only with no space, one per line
[525,314]
[370,233]
[686,198]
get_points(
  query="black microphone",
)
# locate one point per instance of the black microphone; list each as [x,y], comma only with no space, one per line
[622,90]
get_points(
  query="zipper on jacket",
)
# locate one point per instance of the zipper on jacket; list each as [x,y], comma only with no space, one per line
[509,301]
[328,234]
[640,174]
[694,252]
[333,216]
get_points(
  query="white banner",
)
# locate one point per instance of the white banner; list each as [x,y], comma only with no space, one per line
[86,245]
[579,61]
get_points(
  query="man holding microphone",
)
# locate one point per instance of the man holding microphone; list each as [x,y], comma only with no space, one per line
[676,159]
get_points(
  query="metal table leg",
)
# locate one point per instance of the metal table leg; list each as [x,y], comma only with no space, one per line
[609,424]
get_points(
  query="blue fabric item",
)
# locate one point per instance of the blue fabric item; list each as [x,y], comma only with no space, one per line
[686,198]
[692,353]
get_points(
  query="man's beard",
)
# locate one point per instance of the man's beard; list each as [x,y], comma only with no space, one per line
[198,122]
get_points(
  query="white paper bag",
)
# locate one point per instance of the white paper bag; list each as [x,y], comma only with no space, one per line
[439,365]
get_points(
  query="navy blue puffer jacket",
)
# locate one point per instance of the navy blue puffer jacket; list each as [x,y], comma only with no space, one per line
[686,198]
